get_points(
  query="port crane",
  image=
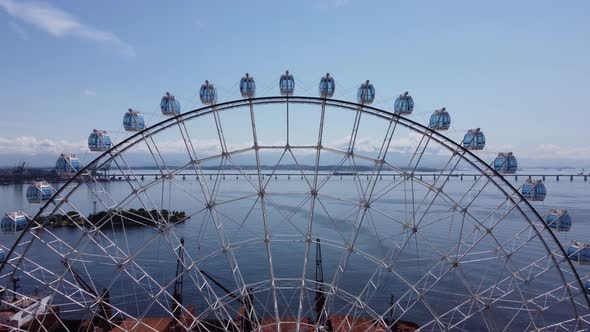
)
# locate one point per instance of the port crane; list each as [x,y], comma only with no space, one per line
[102,319]
[323,323]
[21,168]
[178,282]
[247,324]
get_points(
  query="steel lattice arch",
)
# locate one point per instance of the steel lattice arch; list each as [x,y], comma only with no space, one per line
[407,248]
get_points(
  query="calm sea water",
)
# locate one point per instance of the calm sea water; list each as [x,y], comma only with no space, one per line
[288,216]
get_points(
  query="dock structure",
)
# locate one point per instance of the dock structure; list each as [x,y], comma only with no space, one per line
[146,324]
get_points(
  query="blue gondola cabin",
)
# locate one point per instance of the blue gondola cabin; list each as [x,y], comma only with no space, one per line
[534,190]
[506,163]
[287,84]
[440,120]
[133,121]
[366,93]
[559,220]
[169,105]
[39,192]
[13,222]
[327,86]
[67,165]
[474,139]
[99,141]
[248,86]
[208,94]
[404,104]
[579,252]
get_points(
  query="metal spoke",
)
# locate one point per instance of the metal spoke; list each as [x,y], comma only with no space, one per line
[350,243]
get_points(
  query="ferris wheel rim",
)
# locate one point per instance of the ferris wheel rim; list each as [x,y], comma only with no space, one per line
[481,166]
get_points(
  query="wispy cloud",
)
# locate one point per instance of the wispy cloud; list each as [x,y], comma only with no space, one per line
[88,92]
[20,32]
[59,24]
[330,4]
[29,145]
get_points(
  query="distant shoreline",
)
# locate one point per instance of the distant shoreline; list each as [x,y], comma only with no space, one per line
[289,167]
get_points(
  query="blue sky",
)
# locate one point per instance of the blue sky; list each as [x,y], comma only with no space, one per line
[520,70]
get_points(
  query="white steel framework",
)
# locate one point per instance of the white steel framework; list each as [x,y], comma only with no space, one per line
[471,258]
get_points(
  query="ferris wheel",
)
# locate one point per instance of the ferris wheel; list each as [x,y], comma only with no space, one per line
[290,213]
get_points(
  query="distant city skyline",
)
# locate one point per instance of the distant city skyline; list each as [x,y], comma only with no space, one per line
[519,70]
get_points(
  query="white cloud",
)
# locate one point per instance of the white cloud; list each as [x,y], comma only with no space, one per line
[542,154]
[555,151]
[27,145]
[88,92]
[495,149]
[200,24]
[403,144]
[59,23]
[203,147]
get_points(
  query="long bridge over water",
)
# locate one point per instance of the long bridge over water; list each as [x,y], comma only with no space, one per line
[232,174]
[382,176]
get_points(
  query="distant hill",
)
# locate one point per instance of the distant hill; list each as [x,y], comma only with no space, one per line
[294,167]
